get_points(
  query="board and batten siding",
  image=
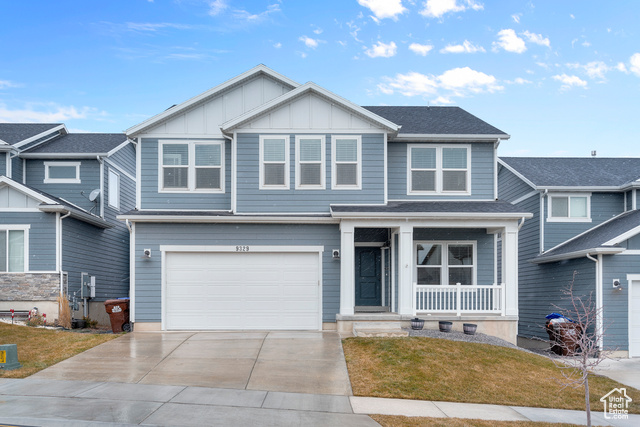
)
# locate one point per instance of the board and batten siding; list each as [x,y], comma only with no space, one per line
[89,180]
[151,236]
[151,198]
[604,206]
[251,199]
[42,237]
[482,176]
[206,117]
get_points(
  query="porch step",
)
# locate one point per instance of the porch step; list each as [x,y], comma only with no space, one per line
[378,329]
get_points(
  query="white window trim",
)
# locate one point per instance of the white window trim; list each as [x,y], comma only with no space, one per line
[24,227]
[445,264]
[115,204]
[287,166]
[334,185]
[191,166]
[323,149]
[569,218]
[439,170]
[48,180]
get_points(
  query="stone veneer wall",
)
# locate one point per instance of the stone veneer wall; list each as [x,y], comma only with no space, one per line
[29,286]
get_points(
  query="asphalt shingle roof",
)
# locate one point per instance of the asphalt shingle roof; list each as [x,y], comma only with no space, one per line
[435,120]
[12,133]
[80,143]
[576,172]
[492,206]
[596,237]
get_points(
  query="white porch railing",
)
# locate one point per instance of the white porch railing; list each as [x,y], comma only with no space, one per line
[459,299]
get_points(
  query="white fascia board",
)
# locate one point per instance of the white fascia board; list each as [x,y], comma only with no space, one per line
[61,127]
[213,219]
[62,155]
[518,174]
[580,189]
[410,137]
[119,147]
[578,254]
[29,192]
[624,236]
[82,216]
[260,69]
[430,215]
[299,91]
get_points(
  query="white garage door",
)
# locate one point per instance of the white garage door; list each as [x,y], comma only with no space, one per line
[247,290]
[634,319]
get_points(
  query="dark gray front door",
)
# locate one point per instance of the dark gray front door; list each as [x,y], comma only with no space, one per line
[368,281]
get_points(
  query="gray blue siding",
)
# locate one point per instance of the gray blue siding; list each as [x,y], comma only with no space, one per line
[3,164]
[151,236]
[482,177]
[42,237]
[511,187]
[253,200]
[152,199]
[125,158]
[16,169]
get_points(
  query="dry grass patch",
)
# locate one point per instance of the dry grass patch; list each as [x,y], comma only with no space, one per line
[40,348]
[398,421]
[451,371]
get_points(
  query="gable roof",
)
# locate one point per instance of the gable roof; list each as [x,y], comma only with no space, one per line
[308,87]
[12,133]
[604,238]
[211,93]
[78,144]
[438,123]
[575,172]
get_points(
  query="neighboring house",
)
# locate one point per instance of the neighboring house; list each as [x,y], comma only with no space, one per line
[60,193]
[266,204]
[586,220]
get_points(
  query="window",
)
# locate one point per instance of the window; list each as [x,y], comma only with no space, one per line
[13,250]
[441,263]
[114,189]
[569,208]
[346,162]
[310,157]
[62,172]
[191,166]
[274,162]
[438,169]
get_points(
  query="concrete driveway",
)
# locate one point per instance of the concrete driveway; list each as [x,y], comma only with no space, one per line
[298,362]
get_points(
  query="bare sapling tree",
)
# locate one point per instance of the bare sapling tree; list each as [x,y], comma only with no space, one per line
[579,338]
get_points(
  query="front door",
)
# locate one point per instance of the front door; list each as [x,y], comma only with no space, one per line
[368,277]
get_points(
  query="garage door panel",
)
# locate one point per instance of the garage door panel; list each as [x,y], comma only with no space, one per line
[242,290]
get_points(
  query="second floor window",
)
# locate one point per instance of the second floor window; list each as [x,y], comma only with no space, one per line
[192,166]
[62,172]
[438,169]
[346,162]
[310,169]
[274,162]
[569,208]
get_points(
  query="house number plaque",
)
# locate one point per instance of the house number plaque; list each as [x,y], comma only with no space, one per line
[242,248]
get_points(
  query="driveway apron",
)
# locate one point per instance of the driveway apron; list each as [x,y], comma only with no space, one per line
[297,362]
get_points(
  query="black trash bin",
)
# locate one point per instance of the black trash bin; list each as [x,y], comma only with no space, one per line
[118,311]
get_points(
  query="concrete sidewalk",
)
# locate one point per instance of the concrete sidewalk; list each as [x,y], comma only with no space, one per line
[42,402]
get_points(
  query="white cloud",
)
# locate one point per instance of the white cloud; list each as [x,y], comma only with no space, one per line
[457,82]
[569,81]
[465,47]
[309,42]
[420,49]
[516,17]
[384,50]
[256,17]
[635,64]
[155,26]
[354,30]
[594,69]
[439,8]
[277,45]
[317,30]
[519,81]
[7,83]
[509,41]
[384,8]
[537,39]
[621,67]
[442,100]
[45,113]
[217,6]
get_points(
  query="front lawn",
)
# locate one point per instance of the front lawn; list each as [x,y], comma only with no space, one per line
[399,421]
[452,371]
[40,348]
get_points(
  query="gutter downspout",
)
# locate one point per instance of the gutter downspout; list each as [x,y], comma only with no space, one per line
[60,218]
[233,170]
[542,216]
[521,223]
[495,171]
[599,307]
[101,161]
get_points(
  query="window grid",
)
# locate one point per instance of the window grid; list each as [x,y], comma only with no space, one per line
[346,167]
[569,208]
[442,263]
[310,162]
[441,169]
[191,166]
[274,162]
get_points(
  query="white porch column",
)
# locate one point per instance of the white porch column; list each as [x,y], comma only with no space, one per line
[510,269]
[347,269]
[405,270]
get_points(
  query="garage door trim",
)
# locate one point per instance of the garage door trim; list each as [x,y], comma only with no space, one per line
[634,285]
[240,248]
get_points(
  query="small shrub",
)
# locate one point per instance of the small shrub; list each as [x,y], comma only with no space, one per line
[90,323]
[36,320]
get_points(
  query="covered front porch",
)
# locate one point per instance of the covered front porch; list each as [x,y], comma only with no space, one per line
[456,266]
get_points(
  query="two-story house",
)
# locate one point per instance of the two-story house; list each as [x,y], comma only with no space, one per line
[266,204]
[60,193]
[586,221]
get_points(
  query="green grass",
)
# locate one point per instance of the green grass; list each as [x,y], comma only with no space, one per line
[40,348]
[443,370]
[399,421]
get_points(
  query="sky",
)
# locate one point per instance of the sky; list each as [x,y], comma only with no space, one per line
[561,77]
